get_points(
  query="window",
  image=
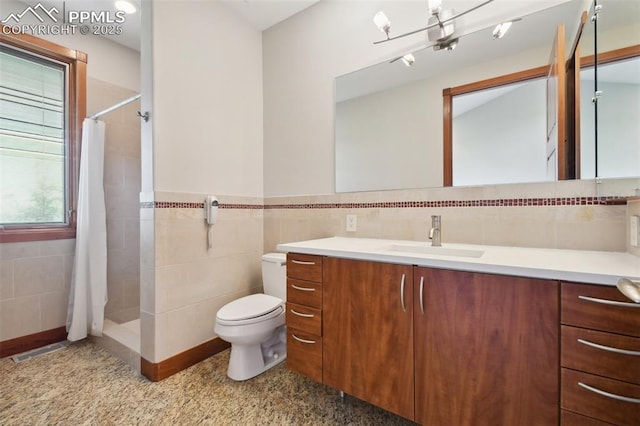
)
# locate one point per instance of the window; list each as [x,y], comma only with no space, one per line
[42,105]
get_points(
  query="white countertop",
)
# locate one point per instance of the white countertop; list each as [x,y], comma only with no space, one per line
[594,267]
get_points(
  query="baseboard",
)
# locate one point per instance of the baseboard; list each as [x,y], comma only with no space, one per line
[170,366]
[32,341]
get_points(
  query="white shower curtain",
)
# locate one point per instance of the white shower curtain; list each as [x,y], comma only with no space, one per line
[88,294]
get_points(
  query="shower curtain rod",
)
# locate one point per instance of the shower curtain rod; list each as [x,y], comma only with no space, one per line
[114,107]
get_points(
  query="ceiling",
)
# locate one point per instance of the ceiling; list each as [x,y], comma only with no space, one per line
[260,14]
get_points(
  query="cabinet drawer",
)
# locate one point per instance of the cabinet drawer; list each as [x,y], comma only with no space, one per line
[304,354]
[304,267]
[304,318]
[601,353]
[304,293]
[606,408]
[567,418]
[585,306]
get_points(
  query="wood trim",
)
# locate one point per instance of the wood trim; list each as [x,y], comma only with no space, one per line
[77,62]
[612,56]
[447,133]
[502,80]
[32,341]
[575,126]
[561,111]
[170,366]
[573,103]
[575,50]
[447,107]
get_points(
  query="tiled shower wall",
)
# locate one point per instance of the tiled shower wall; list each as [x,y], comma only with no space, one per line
[193,281]
[34,286]
[35,276]
[566,215]
[122,192]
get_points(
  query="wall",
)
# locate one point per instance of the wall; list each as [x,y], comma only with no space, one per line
[563,215]
[35,276]
[207,139]
[304,54]
[366,125]
[618,130]
[503,140]
[108,61]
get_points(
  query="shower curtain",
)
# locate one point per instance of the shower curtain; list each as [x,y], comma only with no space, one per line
[88,294]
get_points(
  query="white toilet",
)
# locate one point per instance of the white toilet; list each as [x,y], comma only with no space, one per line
[254,324]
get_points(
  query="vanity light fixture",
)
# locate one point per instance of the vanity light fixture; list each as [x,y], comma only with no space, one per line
[440,26]
[408,59]
[125,6]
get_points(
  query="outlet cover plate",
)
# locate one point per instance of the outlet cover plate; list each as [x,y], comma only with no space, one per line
[352,223]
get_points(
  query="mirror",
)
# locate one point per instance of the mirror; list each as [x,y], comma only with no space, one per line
[388,118]
[610,135]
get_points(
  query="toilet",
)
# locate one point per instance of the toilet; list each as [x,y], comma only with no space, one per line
[254,324]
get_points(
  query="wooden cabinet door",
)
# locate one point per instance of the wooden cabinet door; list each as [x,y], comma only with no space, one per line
[368,332]
[486,349]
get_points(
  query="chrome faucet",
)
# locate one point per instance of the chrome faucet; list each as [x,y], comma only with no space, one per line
[434,232]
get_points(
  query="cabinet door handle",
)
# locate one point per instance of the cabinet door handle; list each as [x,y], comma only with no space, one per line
[301,314]
[609,395]
[610,302]
[302,262]
[608,348]
[421,294]
[308,342]
[404,309]
[302,288]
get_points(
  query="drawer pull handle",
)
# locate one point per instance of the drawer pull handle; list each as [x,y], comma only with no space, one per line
[421,293]
[404,309]
[308,342]
[610,302]
[302,288]
[610,395]
[301,315]
[609,348]
[302,262]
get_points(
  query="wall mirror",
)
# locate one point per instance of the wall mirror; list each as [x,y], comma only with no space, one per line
[389,117]
[609,130]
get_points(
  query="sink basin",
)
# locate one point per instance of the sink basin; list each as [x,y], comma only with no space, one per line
[438,251]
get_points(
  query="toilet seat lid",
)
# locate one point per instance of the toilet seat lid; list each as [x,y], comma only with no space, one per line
[252,306]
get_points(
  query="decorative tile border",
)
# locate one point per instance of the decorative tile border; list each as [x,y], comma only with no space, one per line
[508,202]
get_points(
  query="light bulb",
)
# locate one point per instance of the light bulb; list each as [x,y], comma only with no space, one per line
[501,29]
[382,22]
[435,6]
[408,59]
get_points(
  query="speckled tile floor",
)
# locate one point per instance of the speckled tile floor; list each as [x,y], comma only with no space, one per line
[84,385]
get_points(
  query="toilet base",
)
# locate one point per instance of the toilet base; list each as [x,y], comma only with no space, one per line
[247,361]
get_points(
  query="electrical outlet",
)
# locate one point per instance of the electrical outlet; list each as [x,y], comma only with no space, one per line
[352,223]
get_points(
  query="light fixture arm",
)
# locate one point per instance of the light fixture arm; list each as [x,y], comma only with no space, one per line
[436,24]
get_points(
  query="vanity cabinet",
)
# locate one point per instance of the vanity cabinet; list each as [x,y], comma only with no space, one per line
[304,315]
[436,346]
[486,349]
[367,350]
[600,374]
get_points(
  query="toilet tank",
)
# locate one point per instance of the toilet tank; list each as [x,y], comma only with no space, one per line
[274,274]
